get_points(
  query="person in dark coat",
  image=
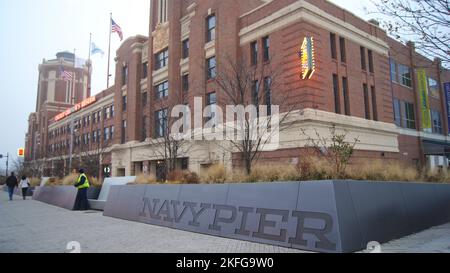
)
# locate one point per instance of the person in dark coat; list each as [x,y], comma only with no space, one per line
[82,184]
[11,183]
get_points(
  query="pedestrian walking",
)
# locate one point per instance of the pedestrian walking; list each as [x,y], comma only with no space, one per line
[24,185]
[11,183]
[82,184]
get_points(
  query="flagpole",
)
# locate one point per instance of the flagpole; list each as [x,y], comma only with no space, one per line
[74,78]
[89,64]
[109,49]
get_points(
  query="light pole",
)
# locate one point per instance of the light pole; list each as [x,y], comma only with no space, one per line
[7,162]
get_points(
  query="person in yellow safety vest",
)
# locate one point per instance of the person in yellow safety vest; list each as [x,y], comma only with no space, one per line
[82,184]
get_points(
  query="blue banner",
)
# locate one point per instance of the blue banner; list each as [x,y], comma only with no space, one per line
[447,99]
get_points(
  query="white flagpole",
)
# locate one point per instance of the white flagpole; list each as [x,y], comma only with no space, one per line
[109,49]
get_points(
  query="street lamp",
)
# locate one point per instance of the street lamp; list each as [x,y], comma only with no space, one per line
[7,162]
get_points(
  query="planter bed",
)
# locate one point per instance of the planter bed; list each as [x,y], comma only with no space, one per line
[321,216]
[61,196]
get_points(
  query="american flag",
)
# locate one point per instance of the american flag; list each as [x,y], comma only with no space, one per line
[117,29]
[66,75]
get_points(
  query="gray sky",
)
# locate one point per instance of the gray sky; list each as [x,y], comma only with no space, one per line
[33,30]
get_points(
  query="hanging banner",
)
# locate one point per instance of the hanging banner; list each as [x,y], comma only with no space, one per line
[424,102]
[447,101]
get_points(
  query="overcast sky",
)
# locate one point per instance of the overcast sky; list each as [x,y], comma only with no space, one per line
[32,30]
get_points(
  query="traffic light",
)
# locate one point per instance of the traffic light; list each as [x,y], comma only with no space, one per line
[21,152]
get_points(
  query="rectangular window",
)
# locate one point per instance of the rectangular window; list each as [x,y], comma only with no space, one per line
[371,67]
[185,49]
[111,132]
[160,123]
[124,132]
[437,122]
[393,66]
[404,73]
[99,135]
[106,134]
[366,101]
[374,103]
[210,28]
[124,75]
[162,90]
[409,120]
[124,103]
[145,70]
[268,94]
[346,96]
[333,46]
[144,98]
[185,83]
[255,95]
[211,100]
[433,87]
[211,68]
[266,49]
[362,51]
[343,50]
[144,128]
[112,111]
[337,97]
[254,53]
[161,59]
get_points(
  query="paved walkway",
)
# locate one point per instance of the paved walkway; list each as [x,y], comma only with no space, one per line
[30,226]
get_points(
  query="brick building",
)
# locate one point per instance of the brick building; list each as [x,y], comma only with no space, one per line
[355,78]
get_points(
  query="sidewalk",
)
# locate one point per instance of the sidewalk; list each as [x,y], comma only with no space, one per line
[31,226]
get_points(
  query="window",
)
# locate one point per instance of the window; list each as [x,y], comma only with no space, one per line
[160,123]
[255,95]
[437,122]
[366,101]
[106,134]
[337,98]
[185,82]
[124,75]
[433,87]
[211,68]
[162,90]
[346,96]
[145,70]
[112,111]
[266,49]
[111,132]
[370,53]
[94,136]
[393,71]
[106,113]
[254,53]
[211,100]
[124,103]
[124,132]
[333,46]
[210,28]
[404,72]
[343,51]
[144,128]
[185,49]
[363,58]
[409,120]
[144,98]
[374,103]
[162,11]
[99,135]
[268,94]
[161,59]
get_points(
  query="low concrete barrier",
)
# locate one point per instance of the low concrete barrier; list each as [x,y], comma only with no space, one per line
[98,203]
[60,196]
[322,216]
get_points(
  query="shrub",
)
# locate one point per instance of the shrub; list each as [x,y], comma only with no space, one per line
[190,178]
[215,174]
[437,176]
[314,168]
[144,179]
[70,180]
[175,176]
[54,181]
[35,182]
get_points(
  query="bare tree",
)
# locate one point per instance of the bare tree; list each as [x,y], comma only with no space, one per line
[168,146]
[336,149]
[246,85]
[91,155]
[425,22]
